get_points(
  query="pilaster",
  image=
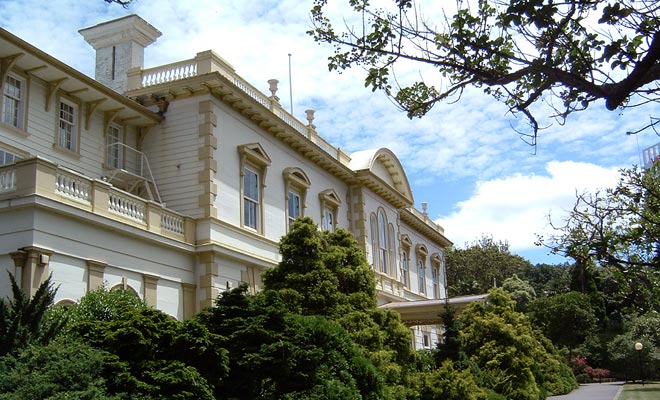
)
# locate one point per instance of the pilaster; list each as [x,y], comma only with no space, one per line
[95,274]
[206,154]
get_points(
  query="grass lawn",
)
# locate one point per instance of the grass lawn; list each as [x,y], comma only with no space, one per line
[650,391]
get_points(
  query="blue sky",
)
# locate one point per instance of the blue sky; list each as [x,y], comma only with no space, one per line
[464,159]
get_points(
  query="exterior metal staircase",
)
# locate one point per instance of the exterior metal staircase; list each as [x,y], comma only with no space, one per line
[130,171]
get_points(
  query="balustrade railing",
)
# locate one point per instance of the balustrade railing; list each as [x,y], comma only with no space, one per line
[43,178]
[172,223]
[7,179]
[73,186]
[209,62]
[170,72]
[127,206]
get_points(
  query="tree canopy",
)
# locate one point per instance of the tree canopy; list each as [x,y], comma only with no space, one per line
[618,229]
[481,265]
[566,55]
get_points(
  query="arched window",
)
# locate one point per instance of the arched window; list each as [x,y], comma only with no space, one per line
[422,253]
[383,242]
[374,241]
[436,263]
[296,184]
[406,245]
[330,203]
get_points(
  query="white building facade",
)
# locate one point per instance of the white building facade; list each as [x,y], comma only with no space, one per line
[177,182]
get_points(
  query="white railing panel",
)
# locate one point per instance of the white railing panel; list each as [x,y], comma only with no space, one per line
[73,186]
[172,223]
[169,73]
[127,206]
[7,180]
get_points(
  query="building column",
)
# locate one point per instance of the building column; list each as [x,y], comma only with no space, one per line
[95,274]
[150,289]
[32,262]
[207,280]
[189,300]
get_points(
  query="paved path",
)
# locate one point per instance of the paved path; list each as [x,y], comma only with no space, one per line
[593,391]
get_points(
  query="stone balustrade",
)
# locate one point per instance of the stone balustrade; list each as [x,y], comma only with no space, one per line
[36,176]
[209,62]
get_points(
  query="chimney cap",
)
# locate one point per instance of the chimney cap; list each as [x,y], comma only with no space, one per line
[130,27]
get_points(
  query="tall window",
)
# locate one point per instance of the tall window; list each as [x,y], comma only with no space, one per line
[67,133]
[422,254]
[294,204]
[405,269]
[250,198]
[254,164]
[296,184]
[114,147]
[328,220]
[436,282]
[330,203]
[382,242]
[12,103]
[374,241]
[421,272]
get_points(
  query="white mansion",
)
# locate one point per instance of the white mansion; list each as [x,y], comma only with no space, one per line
[177,182]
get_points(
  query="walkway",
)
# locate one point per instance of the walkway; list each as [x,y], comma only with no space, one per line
[593,391]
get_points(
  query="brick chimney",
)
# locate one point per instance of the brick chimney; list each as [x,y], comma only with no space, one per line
[119,46]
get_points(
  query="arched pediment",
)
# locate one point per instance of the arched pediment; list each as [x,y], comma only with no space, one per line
[297,176]
[384,164]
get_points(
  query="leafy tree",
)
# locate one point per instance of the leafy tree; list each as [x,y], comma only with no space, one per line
[450,347]
[148,353]
[520,291]
[507,355]
[326,273]
[566,319]
[276,354]
[644,329]
[480,266]
[565,55]
[62,369]
[548,279]
[22,318]
[618,229]
[448,383]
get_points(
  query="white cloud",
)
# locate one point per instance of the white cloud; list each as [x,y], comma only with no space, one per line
[515,208]
[469,143]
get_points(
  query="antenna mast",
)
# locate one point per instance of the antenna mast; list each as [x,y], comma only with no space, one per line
[290,87]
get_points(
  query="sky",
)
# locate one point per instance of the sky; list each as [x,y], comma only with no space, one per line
[464,159]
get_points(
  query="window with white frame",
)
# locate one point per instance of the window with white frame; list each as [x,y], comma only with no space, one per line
[7,157]
[421,276]
[383,243]
[296,184]
[13,101]
[406,245]
[67,134]
[114,148]
[330,203]
[254,164]
[436,270]
[422,253]
[436,282]
[251,198]
[374,241]
[294,206]
[405,268]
